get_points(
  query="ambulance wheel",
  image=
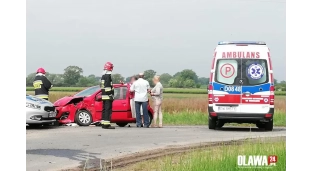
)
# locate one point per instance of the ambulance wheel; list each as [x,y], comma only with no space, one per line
[83,118]
[269,126]
[220,124]
[212,123]
[122,124]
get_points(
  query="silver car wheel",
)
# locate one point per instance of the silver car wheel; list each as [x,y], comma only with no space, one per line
[84,117]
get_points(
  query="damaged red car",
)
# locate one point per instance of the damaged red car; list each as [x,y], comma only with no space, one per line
[85,107]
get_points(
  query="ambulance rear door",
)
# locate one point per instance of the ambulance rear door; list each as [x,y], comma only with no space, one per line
[256,82]
[226,85]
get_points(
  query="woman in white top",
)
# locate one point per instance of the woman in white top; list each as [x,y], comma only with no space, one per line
[157,94]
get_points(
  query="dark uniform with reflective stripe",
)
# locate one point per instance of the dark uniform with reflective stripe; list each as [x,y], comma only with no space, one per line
[42,86]
[107,98]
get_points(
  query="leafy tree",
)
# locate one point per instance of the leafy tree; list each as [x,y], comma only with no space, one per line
[94,80]
[50,77]
[187,74]
[83,82]
[117,78]
[98,79]
[173,82]
[72,75]
[30,79]
[177,82]
[183,79]
[203,81]
[188,83]
[128,79]
[58,80]
[88,81]
[148,75]
[165,78]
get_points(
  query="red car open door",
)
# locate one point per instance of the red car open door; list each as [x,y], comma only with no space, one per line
[121,104]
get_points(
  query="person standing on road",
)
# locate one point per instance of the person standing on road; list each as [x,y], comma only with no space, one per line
[141,88]
[132,103]
[107,95]
[42,85]
[157,94]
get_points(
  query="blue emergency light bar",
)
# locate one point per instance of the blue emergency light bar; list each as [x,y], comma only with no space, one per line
[241,43]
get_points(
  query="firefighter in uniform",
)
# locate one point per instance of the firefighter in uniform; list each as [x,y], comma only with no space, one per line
[42,85]
[107,95]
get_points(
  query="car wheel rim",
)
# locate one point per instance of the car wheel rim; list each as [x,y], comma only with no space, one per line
[84,117]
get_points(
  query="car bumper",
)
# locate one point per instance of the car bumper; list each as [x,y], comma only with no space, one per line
[65,114]
[38,117]
[40,122]
[263,117]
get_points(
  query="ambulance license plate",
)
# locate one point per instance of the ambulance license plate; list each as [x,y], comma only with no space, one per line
[226,109]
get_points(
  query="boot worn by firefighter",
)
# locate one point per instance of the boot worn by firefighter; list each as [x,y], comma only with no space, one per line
[107,125]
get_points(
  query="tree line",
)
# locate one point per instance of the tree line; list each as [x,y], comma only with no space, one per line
[187,78]
[72,77]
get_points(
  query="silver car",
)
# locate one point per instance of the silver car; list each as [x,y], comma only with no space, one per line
[39,111]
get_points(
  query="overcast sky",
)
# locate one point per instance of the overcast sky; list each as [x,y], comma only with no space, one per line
[165,35]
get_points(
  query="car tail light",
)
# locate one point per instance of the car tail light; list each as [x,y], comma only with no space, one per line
[268,115]
[210,95]
[213,114]
[272,89]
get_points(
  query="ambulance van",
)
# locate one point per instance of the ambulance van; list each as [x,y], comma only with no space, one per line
[241,85]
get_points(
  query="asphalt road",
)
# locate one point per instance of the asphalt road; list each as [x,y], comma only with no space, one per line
[67,147]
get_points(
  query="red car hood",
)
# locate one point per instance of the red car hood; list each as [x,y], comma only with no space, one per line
[65,100]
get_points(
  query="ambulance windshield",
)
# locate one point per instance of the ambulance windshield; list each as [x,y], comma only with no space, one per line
[235,71]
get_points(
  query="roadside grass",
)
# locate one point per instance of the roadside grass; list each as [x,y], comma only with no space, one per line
[198,118]
[219,158]
[191,109]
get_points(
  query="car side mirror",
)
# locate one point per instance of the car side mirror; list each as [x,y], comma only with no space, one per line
[98,97]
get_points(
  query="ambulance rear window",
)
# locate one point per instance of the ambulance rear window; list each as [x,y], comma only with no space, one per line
[250,71]
[226,70]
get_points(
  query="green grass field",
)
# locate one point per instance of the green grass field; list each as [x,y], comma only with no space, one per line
[218,158]
[197,118]
[166,90]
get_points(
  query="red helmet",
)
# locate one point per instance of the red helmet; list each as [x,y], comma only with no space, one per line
[41,70]
[108,66]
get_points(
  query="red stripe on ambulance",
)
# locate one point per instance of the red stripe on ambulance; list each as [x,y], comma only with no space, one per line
[270,62]
[255,99]
[213,63]
[227,98]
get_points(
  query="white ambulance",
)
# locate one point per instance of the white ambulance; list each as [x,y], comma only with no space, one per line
[241,85]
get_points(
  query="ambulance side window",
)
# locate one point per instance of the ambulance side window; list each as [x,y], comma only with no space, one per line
[226,71]
[255,71]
